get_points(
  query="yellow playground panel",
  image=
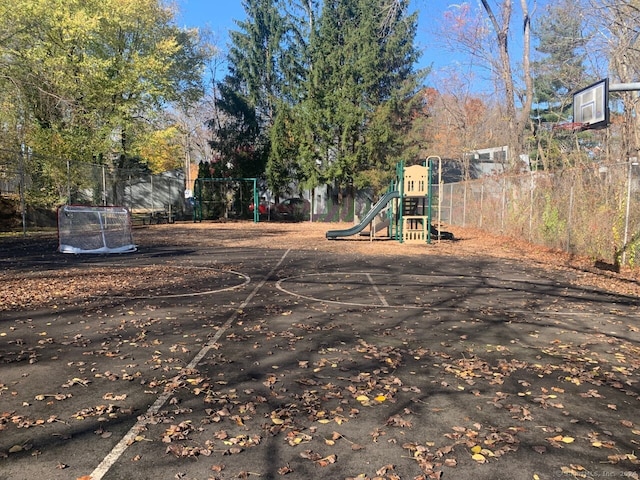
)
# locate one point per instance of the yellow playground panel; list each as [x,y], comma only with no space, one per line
[415,222]
[416,181]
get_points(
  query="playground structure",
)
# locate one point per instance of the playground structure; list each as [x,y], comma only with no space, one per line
[224,197]
[406,208]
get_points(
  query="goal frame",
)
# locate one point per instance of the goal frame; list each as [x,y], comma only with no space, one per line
[97,229]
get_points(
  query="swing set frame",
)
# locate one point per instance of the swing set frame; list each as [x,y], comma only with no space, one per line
[199,190]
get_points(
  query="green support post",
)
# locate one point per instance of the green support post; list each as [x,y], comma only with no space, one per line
[429,165]
[400,180]
[256,202]
[197,201]
[197,190]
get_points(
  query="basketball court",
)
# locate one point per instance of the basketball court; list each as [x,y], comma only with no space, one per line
[197,361]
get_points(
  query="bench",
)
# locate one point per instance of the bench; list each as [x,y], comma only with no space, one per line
[150,217]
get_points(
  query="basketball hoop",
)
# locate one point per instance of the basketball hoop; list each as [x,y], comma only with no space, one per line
[571,126]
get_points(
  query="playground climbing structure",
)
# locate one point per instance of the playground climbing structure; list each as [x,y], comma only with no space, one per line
[415,205]
[406,206]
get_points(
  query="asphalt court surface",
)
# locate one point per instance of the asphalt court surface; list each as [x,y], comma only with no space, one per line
[219,372]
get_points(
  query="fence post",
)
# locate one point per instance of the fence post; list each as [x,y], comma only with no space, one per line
[481,203]
[570,220]
[104,188]
[632,161]
[504,204]
[531,199]
[464,205]
[451,205]
[68,182]
[23,205]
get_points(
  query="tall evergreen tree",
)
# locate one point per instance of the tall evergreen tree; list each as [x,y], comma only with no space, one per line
[255,55]
[559,70]
[284,167]
[248,95]
[361,80]
[330,94]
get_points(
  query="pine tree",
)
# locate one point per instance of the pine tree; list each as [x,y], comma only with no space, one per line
[326,96]
[362,57]
[248,95]
[255,54]
[559,71]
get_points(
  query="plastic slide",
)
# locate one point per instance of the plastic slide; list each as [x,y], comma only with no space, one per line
[367,219]
[381,225]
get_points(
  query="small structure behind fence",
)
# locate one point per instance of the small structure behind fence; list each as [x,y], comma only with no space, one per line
[23,182]
[592,211]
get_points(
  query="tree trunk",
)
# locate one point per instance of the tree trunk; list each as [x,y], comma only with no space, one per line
[516,121]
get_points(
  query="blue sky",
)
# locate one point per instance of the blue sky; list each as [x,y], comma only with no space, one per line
[219,16]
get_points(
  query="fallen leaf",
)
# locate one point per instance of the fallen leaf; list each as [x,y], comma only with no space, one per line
[114,397]
[310,455]
[478,457]
[328,460]
[383,470]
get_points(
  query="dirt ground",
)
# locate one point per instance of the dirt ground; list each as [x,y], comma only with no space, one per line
[468,242]
[241,350]
[311,236]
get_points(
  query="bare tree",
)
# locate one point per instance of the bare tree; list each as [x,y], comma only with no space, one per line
[469,31]
[462,121]
[617,23]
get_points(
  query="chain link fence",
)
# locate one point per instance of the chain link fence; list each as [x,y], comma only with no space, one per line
[30,185]
[592,211]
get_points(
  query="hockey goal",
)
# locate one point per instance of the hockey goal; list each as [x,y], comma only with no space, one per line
[87,229]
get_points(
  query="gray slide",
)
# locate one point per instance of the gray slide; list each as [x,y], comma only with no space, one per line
[366,220]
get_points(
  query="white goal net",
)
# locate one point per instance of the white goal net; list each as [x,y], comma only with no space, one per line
[86,229]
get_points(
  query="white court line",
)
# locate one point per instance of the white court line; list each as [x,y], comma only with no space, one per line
[246,281]
[129,438]
[377,290]
[428,307]
[338,302]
